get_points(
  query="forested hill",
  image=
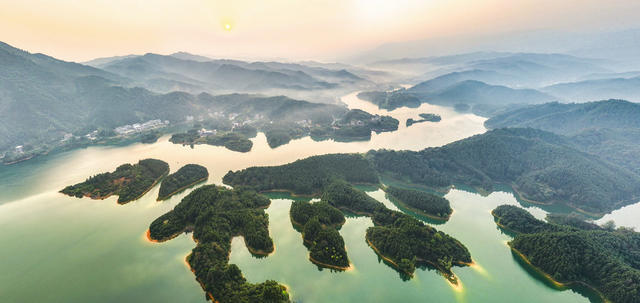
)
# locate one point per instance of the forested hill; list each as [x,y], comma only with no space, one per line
[571,119]
[609,129]
[541,166]
[606,259]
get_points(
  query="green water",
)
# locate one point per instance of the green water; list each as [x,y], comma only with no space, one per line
[56,248]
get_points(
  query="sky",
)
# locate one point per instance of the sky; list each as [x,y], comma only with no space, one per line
[80,30]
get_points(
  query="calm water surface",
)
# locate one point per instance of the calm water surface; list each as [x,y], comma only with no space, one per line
[56,248]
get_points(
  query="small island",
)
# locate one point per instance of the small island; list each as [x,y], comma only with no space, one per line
[216,215]
[184,178]
[319,223]
[234,141]
[569,252]
[128,182]
[429,205]
[425,118]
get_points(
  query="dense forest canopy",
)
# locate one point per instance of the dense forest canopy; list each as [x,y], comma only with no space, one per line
[607,260]
[429,204]
[128,181]
[609,129]
[401,238]
[318,223]
[216,215]
[306,176]
[186,176]
[541,166]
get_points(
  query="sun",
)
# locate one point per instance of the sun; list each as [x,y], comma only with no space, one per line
[227,26]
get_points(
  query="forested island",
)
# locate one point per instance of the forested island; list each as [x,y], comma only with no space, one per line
[605,259]
[306,176]
[128,182]
[216,215]
[185,177]
[430,205]
[541,167]
[234,141]
[426,117]
[319,223]
[391,100]
[401,240]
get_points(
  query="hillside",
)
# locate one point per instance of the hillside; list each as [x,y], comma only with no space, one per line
[613,88]
[606,260]
[571,119]
[48,104]
[609,129]
[479,97]
[541,166]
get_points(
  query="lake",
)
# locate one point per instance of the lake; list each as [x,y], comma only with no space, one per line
[57,248]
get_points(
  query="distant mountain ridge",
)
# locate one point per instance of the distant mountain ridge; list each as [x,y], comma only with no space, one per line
[573,118]
[616,88]
[195,74]
[44,101]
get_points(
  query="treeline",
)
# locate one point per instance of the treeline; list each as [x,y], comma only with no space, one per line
[541,166]
[429,204]
[401,238]
[234,140]
[307,176]
[607,260]
[426,117]
[319,222]
[185,176]
[216,215]
[128,181]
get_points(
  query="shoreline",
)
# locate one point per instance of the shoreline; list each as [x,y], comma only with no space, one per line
[565,285]
[182,188]
[147,190]
[421,212]
[450,277]
[335,267]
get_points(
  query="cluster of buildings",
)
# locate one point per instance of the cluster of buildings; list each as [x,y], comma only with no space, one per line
[140,127]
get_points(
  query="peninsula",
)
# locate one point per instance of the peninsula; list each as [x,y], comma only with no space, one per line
[129,182]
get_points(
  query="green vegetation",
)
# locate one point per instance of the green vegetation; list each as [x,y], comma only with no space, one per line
[401,239]
[186,138]
[235,141]
[319,222]
[391,100]
[376,123]
[606,260]
[150,137]
[428,204]
[128,181]
[425,117]
[609,129]
[307,176]
[540,166]
[216,215]
[185,177]
[232,141]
